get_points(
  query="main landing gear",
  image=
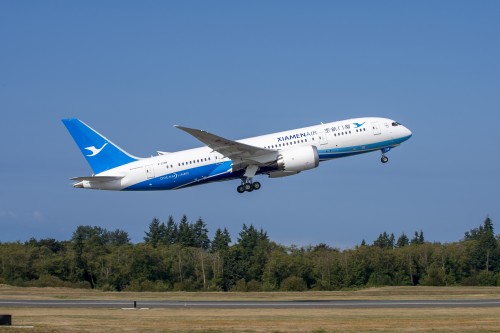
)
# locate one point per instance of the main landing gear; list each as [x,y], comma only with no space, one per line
[248,186]
[384,159]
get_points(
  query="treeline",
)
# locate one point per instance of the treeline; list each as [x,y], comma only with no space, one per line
[181,256]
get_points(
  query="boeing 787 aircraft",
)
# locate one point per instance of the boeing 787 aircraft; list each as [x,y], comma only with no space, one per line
[276,155]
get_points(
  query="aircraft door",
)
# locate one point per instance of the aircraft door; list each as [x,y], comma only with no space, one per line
[217,158]
[376,128]
[323,140]
[150,171]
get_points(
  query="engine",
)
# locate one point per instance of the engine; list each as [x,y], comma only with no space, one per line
[291,162]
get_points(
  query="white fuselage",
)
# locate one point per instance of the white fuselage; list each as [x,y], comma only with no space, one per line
[202,165]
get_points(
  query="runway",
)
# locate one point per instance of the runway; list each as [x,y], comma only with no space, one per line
[354,304]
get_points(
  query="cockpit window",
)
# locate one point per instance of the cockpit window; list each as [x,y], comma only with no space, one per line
[395,124]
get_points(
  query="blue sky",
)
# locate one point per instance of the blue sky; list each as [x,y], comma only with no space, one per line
[133,69]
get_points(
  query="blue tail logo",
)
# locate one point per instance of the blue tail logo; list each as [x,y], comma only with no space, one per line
[108,156]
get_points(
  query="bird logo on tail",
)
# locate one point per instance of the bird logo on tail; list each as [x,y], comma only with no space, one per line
[95,150]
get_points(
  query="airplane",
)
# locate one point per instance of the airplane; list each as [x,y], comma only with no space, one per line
[276,155]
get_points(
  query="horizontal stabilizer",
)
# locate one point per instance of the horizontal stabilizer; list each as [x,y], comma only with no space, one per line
[97,179]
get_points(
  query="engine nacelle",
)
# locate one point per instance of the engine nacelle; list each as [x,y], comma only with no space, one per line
[298,159]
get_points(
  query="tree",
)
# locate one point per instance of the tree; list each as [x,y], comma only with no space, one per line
[186,233]
[485,252]
[221,241]
[402,241]
[106,260]
[49,243]
[156,233]
[89,244]
[384,241]
[118,237]
[434,277]
[252,252]
[418,238]
[200,232]
[220,254]
[171,232]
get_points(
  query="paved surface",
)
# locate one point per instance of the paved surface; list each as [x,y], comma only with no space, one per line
[354,304]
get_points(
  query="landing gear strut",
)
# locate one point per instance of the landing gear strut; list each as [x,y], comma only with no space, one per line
[248,186]
[384,159]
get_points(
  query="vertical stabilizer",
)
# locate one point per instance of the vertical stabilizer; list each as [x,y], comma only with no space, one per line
[100,153]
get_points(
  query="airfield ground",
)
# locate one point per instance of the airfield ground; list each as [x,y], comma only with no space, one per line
[254,320]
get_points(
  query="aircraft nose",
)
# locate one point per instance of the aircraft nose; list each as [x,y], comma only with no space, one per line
[407,132]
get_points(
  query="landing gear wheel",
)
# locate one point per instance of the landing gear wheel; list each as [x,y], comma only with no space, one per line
[247,185]
[384,159]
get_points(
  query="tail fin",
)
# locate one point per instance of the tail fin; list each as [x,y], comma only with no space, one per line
[99,152]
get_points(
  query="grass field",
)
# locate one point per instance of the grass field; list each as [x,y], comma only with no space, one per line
[256,320]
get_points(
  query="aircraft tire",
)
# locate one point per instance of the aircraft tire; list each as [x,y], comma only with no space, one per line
[384,159]
[240,189]
[256,186]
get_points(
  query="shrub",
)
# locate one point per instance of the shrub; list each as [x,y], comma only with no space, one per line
[293,283]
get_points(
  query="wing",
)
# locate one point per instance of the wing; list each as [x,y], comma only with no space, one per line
[241,154]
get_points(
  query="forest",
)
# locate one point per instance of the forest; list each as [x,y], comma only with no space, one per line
[180,256]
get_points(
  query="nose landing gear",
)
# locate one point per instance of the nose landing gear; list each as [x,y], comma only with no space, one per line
[384,159]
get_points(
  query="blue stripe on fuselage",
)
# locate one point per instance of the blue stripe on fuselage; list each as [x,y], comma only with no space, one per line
[186,177]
